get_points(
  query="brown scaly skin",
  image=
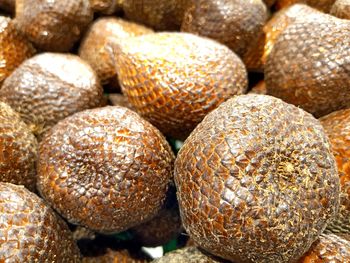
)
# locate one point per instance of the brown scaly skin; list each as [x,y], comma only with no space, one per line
[30,230]
[14,48]
[49,87]
[106,169]
[341,9]
[337,127]
[53,25]
[102,33]
[120,256]
[329,248]
[116,99]
[257,181]
[323,5]
[8,5]
[175,79]
[158,14]
[188,255]
[18,149]
[235,23]
[308,65]
[106,7]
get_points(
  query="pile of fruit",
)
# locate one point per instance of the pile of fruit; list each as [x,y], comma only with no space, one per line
[218,130]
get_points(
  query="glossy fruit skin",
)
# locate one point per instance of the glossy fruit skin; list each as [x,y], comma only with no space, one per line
[119,256]
[49,87]
[322,5]
[103,33]
[337,128]
[30,230]
[174,79]
[106,169]
[53,25]
[14,48]
[257,181]
[18,149]
[329,248]
[308,65]
[341,9]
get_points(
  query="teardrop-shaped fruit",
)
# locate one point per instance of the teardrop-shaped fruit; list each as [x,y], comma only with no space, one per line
[341,9]
[49,87]
[309,64]
[257,181]
[53,25]
[14,48]
[323,5]
[94,48]
[30,231]
[18,149]
[106,169]
[175,79]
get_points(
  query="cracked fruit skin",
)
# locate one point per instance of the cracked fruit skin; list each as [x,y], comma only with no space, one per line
[174,79]
[31,231]
[106,169]
[257,181]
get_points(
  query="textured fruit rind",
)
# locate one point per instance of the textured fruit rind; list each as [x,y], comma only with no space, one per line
[341,9]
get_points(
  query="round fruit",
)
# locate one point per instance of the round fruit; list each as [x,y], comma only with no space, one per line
[337,127]
[94,48]
[18,149]
[50,87]
[30,231]
[308,65]
[341,9]
[14,48]
[111,256]
[257,181]
[323,5]
[175,79]
[106,169]
[329,248]
[53,25]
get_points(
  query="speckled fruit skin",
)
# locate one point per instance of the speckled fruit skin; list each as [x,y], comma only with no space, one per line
[119,256]
[18,149]
[308,65]
[323,5]
[175,79]
[14,48]
[53,25]
[188,255]
[341,9]
[101,34]
[257,181]
[235,23]
[49,87]
[8,5]
[30,231]
[337,127]
[106,169]
[329,248]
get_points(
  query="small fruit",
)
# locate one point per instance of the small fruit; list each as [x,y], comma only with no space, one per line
[322,5]
[53,25]
[14,48]
[106,169]
[18,149]
[49,87]
[257,181]
[30,231]
[119,256]
[174,79]
[341,9]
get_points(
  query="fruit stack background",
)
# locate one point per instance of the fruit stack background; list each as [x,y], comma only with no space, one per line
[175,131]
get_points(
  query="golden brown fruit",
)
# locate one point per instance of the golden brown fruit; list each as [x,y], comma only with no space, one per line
[18,149]
[329,248]
[30,231]
[158,14]
[259,88]
[49,87]
[257,181]
[14,48]
[175,79]
[106,7]
[104,32]
[235,23]
[119,256]
[8,5]
[53,25]
[188,255]
[309,64]
[341,9]
[323,5]
[106,169]
[337,127]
